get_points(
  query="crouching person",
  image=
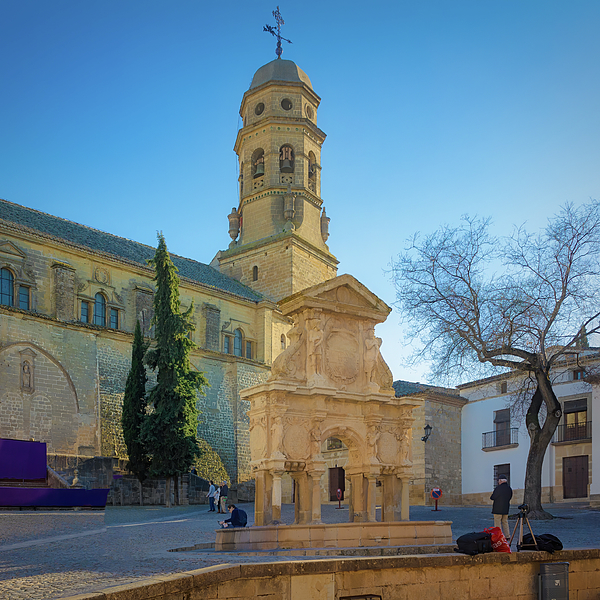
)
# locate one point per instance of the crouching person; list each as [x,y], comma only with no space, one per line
[238,518]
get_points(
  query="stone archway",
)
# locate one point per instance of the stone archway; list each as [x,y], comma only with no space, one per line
[331,381]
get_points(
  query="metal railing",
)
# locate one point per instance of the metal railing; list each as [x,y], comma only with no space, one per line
[573,432]
[501,437]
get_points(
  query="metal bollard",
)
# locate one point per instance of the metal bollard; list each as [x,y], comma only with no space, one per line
[554,581]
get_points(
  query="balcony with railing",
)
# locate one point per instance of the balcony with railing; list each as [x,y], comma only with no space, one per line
[500,439]
[573,432]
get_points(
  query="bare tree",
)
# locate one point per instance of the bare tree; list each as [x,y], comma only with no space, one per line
[516,302]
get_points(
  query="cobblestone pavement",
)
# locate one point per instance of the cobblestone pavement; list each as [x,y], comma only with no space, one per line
[51,555]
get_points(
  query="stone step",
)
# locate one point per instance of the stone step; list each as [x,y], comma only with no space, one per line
[359,551]
[28,483]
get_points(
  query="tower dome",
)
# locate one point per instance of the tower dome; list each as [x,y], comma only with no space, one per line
[280,70]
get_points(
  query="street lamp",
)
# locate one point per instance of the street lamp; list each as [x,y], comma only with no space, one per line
[428,429]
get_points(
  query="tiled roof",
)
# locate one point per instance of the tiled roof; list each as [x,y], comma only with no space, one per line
[99,241]
[407,388]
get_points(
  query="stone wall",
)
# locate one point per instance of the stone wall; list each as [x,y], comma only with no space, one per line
[57,403]
[443,467]
[223,419]
[495,576]
[125,491]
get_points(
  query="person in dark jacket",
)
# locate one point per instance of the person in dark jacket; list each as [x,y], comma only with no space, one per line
[235,520]
[223,497]
[501,497]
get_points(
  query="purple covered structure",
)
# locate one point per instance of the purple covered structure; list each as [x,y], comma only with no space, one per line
[23,480]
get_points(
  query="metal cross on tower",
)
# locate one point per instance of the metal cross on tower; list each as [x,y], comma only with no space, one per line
[277,34]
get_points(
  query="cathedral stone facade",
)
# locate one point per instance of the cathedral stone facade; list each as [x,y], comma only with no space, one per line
[70,295]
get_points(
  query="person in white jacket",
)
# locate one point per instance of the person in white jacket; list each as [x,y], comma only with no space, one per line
[212,492]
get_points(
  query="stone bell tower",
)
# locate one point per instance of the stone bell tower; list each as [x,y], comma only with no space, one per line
[279,229]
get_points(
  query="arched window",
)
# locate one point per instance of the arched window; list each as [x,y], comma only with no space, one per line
[7,287]
[254,273]
[100,310]
[286,159]
[237,343]
[283,343]
[258,162]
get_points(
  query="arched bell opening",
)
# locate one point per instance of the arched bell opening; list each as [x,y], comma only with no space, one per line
[312,172]
[258,163]
[286,164]
[286,159]
[257,169]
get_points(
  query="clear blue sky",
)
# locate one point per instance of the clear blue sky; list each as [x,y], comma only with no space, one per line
[122,115]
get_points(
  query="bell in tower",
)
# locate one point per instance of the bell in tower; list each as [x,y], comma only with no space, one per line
[259,165]
[286,159]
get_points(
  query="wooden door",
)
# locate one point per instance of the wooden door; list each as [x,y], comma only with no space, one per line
[337,481]
[575,477]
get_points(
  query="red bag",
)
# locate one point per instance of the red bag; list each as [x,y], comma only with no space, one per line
[499,543]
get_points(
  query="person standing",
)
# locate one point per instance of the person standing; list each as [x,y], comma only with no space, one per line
[501,498]
[223,501]
[216,498]
[211,496]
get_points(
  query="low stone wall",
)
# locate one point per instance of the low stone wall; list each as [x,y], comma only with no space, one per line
[495,576]
[125,491]
[483,498]
[342,535]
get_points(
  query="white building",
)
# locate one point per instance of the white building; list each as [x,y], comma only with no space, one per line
[494,441]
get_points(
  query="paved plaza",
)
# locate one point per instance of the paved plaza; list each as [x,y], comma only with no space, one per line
[56,554]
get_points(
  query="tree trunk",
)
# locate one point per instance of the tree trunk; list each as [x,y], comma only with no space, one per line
[168,492]
[141,493]
[539,439]
[176,490]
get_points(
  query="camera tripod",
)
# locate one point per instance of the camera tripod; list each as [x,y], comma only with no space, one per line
[522,516]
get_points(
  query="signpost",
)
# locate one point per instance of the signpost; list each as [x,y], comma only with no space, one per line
[436,494]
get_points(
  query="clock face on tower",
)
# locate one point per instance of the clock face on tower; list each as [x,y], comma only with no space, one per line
[309,111]
[286,104]
[260,107]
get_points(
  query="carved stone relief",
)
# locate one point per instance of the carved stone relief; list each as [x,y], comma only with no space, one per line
[288,365]
[388,448]
[342,363]
[27,372]
[296,443]
[101,275]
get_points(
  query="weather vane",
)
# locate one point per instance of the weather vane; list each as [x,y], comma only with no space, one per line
[277,33]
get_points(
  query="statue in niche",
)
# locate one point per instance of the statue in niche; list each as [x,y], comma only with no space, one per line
[26,377]
[371,355]
[315,339]
[372,438]
[404,440]
[276,435]
[315,438]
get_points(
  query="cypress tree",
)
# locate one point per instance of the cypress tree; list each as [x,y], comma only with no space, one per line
[134,410]
[171,427]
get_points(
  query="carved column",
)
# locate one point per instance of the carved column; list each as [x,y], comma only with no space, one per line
[405,502]
[302,504]
[263,513]
[391,502]
[359,514]
[371,495]
[276,502]
[315,496]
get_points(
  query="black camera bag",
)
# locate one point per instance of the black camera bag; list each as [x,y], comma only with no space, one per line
[474,543]
[545,541]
